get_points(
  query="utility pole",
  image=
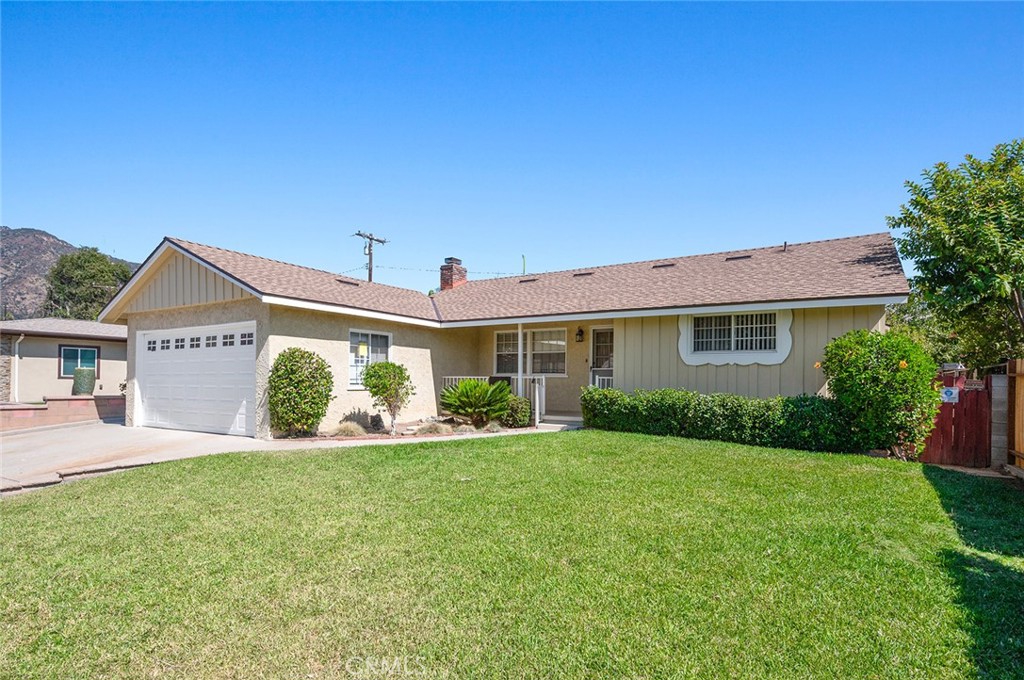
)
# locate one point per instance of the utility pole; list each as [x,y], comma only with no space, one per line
[368,250]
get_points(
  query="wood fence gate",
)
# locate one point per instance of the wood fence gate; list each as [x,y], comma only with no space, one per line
[962,434]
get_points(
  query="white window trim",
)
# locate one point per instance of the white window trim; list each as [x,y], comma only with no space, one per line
[528,351]
[348,355]
[783,344]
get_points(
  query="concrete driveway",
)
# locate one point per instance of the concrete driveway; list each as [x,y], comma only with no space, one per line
[33,458]
[45,456]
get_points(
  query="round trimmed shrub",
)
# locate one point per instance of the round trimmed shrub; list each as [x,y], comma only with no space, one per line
[886,385]
[300,388]
[518,414]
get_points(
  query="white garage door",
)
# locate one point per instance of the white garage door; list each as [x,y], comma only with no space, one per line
[201,378]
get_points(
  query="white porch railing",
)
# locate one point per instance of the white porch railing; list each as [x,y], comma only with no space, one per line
[534,389]
[603,381]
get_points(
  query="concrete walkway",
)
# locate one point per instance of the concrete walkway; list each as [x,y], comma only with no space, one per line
[35,458]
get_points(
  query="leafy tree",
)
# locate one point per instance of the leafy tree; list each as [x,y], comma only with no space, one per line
[81,283]
[390,386]
[299,391]
[964,229]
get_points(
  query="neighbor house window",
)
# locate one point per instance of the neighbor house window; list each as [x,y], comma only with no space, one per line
[365,348]
[78,357]
[735,333]
[543,352]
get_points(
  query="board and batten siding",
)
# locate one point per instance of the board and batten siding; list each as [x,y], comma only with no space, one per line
[182,282]
[647,355]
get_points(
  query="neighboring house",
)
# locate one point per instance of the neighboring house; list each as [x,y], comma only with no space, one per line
[38,357]
[204,325]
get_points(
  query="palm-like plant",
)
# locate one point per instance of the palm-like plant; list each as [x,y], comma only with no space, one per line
[476,400]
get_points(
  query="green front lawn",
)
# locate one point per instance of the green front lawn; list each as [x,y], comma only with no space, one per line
[580,554]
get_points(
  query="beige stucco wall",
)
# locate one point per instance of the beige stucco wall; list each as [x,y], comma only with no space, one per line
[39,365]
[428,354]
[647,356]
[249,309]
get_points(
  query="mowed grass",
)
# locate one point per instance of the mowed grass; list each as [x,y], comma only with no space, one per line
[578,554]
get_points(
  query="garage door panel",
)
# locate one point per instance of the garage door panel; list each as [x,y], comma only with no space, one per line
[210,387]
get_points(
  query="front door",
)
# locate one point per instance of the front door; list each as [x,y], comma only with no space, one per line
[601,357]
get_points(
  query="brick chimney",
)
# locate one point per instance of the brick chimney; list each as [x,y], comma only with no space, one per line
[453,274]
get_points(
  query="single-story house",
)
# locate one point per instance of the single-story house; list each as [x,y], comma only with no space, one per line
[38,357]
[204,325]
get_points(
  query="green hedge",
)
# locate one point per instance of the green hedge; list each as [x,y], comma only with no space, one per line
[809,423]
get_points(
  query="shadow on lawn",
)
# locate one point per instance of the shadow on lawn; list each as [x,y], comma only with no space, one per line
[989,517]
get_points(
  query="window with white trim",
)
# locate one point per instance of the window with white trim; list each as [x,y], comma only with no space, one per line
[78,357]
[735,333]
[505,348]
[547,350]
[194,342]
[364,349]
[543,352]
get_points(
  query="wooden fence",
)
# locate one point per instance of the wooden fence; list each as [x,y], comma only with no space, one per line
[963,430]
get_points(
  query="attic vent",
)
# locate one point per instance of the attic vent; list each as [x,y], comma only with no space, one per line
[583,274]
[527,280]
[347,282]
[738,257]
[663,265]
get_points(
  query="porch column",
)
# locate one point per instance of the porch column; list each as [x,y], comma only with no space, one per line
[519,359]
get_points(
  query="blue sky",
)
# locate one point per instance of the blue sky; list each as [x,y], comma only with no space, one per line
[574,134]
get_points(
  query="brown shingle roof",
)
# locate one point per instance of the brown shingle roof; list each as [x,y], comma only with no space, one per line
[860,266]
[65,328]
[271,277]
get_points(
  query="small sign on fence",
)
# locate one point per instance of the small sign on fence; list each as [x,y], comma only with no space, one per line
[950,395]
[971,384]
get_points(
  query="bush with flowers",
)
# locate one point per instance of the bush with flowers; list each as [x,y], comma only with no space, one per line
[885,383]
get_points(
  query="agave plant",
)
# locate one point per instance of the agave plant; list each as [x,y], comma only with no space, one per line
[476,400]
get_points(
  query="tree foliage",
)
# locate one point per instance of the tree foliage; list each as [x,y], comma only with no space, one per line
[964,229]
[81,283]
[299,391]
[390,386]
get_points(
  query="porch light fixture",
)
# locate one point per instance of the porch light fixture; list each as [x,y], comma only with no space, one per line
[579,334]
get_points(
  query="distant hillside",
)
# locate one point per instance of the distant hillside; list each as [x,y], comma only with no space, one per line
[26,256]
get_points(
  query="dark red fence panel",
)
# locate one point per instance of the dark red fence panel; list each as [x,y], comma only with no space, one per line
[962,434]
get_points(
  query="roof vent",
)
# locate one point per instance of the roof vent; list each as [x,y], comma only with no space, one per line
[527,280]
[582,274]
[348,282]
[663,265]
[738,257]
